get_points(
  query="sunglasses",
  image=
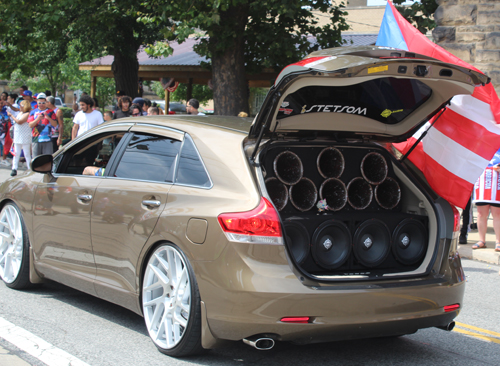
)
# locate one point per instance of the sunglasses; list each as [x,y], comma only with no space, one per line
[136,114]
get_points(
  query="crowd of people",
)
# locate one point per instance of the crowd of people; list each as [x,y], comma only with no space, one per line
[34,125]
[30,127]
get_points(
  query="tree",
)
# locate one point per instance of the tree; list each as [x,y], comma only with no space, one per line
[242,36]
[420,14]
[99,26]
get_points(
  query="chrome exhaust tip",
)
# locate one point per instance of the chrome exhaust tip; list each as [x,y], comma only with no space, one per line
[260,343]
[448,327]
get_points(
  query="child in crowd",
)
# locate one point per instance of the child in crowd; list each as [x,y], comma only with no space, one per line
[108,116]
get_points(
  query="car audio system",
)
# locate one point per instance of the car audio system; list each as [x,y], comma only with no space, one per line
[359,227]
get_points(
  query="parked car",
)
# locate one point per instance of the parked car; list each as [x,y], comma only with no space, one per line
[177,107]
[303,226]
[59,103]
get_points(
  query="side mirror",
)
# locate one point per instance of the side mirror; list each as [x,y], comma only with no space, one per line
[42,164]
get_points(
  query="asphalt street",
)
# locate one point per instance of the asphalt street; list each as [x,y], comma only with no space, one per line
[83,330]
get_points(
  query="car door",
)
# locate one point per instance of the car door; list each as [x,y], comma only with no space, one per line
[62,206]
[127,206]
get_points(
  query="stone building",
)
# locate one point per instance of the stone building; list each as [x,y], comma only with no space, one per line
[470,29]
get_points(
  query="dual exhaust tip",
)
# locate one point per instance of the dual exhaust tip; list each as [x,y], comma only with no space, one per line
[290,184]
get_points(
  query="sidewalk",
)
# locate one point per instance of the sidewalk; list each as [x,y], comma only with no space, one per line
[484,255]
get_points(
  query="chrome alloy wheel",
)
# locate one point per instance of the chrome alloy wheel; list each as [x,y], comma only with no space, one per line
[11,244]
[166,296]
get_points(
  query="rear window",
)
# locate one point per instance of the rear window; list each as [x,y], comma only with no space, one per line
[387,100]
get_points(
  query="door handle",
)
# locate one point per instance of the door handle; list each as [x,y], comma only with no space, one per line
[85,197]
[151,203]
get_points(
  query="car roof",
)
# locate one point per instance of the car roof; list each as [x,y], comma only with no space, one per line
[235,124]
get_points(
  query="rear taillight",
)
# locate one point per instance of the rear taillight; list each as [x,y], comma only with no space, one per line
[258,226]
[456,217]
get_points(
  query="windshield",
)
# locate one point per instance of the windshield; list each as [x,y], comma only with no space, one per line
[387,100]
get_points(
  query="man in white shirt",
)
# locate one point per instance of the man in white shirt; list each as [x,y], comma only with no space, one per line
[192,107]
[86,118]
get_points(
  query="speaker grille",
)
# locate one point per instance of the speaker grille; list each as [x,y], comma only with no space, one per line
[331,244]
[372,243]
[409,241]
[297,239]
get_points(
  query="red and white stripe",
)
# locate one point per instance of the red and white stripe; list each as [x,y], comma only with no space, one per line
[487,187]
[457,148]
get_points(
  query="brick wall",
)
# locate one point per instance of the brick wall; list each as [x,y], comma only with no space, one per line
[470,29]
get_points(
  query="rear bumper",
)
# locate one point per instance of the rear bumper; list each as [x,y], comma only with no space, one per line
[245,296]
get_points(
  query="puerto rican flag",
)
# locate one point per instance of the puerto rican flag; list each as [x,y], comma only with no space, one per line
[459,146]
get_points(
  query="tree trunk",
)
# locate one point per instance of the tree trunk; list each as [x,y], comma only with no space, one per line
[126,72]
[228,68]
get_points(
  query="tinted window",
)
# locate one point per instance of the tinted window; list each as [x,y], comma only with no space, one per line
[387,100]
[95,152]
[191,170]
[149,157]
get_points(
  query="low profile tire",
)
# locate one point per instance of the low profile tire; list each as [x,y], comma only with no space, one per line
[171,302]
[14,248]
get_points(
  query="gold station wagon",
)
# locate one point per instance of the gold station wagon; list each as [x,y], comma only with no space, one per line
[303,225]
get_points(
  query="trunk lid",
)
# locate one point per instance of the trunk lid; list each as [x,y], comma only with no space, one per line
[365,93]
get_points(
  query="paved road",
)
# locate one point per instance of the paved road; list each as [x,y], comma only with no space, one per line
[90,331]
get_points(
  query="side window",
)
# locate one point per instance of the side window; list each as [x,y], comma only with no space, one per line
[94,153]
[191,169]
[149,157]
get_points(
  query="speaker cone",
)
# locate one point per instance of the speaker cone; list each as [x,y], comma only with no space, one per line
[335,193]
[409,241]
[374,168]
[297,239]
[331,244]
[304,195]
[330,163]
[288,167]
[278,193]
[372,242]
[359,193]
[388,193]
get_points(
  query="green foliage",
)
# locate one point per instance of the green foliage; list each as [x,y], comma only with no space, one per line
[201,92]
[68,126]
[275,34]
[420,14]
[67,112]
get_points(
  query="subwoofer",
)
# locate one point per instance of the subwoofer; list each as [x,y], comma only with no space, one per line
[409,241]
[278,193]
[331,244]
[303,195]
[298,240]
[288,167]
[372,243]
[335,193]
[330,163]
[374,168]
[359,193]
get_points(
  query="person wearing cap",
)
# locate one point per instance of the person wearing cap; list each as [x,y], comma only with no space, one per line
[28,95]
[87,118]
[44,120]
[140,102]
